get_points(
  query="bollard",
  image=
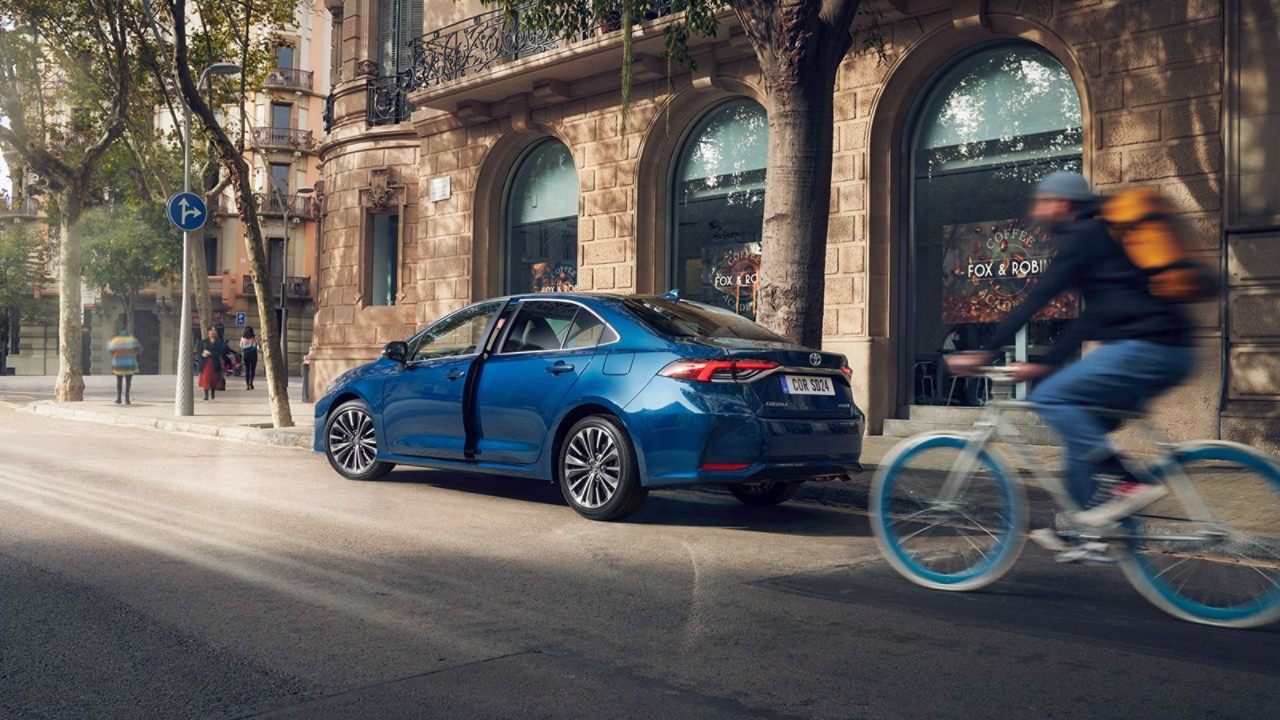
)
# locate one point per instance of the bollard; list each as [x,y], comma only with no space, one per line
[306,379]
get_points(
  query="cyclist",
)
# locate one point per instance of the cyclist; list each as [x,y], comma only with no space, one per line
[1144,349]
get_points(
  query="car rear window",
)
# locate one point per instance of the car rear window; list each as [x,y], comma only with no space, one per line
[690,319]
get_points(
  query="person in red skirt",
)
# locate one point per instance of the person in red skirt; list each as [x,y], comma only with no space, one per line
[210,351]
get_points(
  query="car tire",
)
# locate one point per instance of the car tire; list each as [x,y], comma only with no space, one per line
[597,470]
[351,443]
[767,492]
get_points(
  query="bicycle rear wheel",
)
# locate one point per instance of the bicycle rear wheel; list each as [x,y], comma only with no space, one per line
[1230,577]
[959,543]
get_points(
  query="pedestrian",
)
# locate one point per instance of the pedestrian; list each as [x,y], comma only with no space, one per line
[1144,348]
[249,349]
[124,349]
[211,351]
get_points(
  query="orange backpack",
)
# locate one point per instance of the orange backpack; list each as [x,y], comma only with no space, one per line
[1141,221]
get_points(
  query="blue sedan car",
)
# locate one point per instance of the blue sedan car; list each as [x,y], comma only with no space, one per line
[607,395]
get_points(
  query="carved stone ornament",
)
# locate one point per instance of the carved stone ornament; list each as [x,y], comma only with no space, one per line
[383,192]
[366,67]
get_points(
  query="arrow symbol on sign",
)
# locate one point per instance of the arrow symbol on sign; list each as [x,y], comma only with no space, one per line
[187,211]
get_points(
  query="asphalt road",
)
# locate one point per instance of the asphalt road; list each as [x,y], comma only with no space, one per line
[153,575]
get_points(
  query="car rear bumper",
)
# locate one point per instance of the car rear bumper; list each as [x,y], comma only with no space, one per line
[739,449]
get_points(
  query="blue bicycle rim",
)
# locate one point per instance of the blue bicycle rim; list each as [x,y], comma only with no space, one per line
[1011,510]
[1260,604]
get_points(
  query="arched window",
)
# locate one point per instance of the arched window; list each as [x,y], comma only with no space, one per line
[541,253]
[718,196]
[989,129]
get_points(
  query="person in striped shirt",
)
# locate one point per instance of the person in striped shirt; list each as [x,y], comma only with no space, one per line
[124,349]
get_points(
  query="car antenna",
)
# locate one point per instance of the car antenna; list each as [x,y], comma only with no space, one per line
[673,295]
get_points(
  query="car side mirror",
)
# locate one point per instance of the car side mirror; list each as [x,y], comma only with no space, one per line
[396,350]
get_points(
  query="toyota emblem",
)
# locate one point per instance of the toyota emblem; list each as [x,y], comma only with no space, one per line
[815,359]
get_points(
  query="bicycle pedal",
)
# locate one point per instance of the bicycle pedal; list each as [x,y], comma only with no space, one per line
[1087,552]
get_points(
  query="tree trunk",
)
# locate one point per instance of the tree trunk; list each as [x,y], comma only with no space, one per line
[799,45]
[796,212]
[70,385]
[232,159]
[200,289]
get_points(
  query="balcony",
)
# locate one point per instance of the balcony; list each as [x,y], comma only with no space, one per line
[25,207]
[288,138]
[298,286]
[387,100]
[291,78]
[298,206]
[485,41]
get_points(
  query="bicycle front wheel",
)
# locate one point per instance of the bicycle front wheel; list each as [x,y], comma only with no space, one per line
[1209,552]
[945,538]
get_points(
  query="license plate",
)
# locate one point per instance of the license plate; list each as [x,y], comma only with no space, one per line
[807,385]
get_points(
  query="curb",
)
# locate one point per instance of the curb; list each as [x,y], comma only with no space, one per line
[299,437]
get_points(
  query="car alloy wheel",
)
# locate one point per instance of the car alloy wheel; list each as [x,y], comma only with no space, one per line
[351,443]
[598,475]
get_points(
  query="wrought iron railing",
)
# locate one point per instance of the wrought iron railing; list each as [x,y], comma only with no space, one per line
[327,117]
[299,206]
[19,206]
[283,137]
[387,101]
[479,43]
[290,77]
[297,285]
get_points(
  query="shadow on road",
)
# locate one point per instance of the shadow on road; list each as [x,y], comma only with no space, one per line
[694,507]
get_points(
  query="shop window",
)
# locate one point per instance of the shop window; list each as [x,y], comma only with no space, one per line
[541,252]
[719,208]
[991,127]
[384,259]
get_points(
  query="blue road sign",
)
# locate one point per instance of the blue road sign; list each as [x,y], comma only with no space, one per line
[187,211]
[240,318]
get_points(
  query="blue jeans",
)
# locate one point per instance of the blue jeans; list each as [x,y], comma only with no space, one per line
[1119,375]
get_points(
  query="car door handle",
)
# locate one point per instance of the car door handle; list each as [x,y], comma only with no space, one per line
[560,368]
[455,373]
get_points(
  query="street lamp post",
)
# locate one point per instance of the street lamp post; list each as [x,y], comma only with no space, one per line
[284,276]
[183,402]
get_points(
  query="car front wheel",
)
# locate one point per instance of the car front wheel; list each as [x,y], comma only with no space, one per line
[597,470]
[351,443]
[767,492]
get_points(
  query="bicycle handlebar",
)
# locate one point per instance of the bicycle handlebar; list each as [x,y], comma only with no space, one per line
[1001,374]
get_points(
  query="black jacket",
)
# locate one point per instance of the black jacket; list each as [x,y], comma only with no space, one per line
[1117,305]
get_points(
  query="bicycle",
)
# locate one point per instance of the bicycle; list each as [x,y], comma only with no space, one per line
[948,514]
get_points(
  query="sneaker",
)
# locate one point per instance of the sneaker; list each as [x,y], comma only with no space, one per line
[1049,540]
[1086,552]
[1126,499]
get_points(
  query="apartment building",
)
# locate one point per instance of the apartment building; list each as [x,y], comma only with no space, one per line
[285,124]
[467,158]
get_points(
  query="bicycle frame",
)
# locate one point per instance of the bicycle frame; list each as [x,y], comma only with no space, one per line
[992,425]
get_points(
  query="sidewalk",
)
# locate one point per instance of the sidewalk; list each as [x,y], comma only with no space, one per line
[236,414]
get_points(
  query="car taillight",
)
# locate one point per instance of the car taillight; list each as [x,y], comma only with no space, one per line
[724,371]
[848,372]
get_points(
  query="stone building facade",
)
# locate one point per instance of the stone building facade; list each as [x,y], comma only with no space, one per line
[943,137]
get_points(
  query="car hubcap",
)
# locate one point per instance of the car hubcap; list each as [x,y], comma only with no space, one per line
[592,467]
[352,442]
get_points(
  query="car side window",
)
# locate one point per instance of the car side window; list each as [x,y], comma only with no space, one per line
[458,334]
[587,330]
[540,325]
